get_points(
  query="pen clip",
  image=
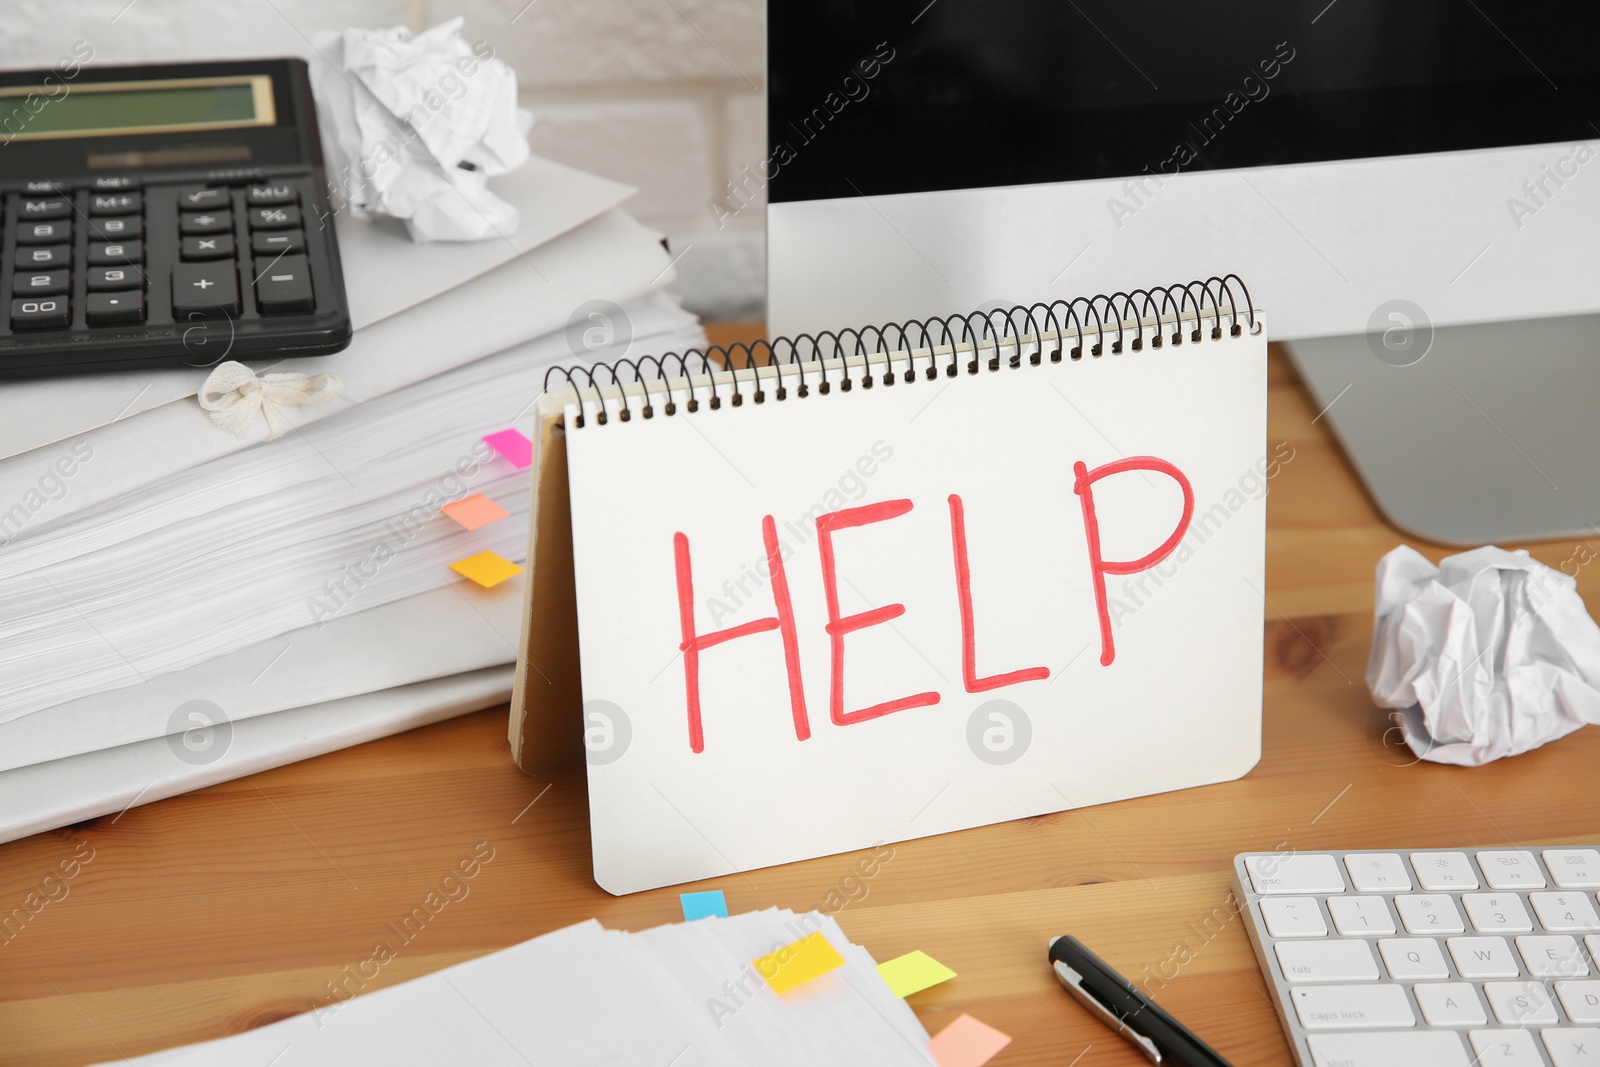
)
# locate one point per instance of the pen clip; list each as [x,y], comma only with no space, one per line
[1073,982]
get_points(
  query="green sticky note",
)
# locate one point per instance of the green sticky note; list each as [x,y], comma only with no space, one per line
[912,973]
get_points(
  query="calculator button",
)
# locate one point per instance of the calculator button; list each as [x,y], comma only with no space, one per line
[1293,917]
[1412,959]
[1429,914]
[270,195]
[1449,1004]
[1483,957]
[106,309]
[1573,868]
[54,207]
[284,284]
[114,203]
[206,222]
[1377,873]
[118,229]
[1555,956]
[206,288]
[1361,915]
[114,183]
[1520,1003]
[271,242]
[43,233]
[274,218]
[1406,1048]
[40,283]
[1494,913]
[1505,1048]
[201,198]
[1564,911]
[39,313]
[1511,870]
[115,253]
[219,246]
[1444,870]
[105,279]
[1327,961]
[1353,1007]
[1581,999]
[43,187]
[1572,1046]
[43,257]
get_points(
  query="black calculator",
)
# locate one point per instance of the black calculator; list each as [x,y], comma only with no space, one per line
[172,215]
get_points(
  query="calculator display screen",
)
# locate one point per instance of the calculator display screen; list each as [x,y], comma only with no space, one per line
[116,108]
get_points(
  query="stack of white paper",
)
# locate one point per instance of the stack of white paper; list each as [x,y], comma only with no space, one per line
[301,586]
[688,995]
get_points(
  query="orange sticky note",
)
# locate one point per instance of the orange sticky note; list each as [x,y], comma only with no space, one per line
[474,511]
[795,965]
[967,1043]
[486,568]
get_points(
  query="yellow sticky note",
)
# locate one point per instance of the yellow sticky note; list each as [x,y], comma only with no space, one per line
[967,1043]
[912,973]
[474,511]
[486,568]
[795,965]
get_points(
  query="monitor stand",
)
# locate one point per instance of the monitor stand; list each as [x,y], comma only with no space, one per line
[1491,436]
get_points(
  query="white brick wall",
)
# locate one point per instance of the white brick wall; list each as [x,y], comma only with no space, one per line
[662,94]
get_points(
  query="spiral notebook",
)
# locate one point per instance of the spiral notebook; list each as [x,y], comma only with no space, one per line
[836,591]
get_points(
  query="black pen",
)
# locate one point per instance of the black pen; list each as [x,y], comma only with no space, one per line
[1127,1011]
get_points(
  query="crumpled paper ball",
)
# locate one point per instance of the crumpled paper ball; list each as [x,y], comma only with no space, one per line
[1489,654]
[414,125]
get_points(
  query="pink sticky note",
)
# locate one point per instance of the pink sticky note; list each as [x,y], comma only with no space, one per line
[475,511]
[967,1043]
[512,445]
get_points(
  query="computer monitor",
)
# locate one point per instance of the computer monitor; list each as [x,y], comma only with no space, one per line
[936,156]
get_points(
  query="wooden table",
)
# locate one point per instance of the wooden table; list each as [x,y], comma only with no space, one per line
[233,906]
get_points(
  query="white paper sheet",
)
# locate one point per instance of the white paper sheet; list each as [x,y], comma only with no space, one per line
[1177,705]
[385,272]
[1488,655]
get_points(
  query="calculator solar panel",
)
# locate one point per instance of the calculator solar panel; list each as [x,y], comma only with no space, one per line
[173,215]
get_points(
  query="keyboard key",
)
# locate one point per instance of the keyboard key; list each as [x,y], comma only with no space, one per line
[1293,917]
[124,228]
[1435,1048]
[1564,911]
[1361,915]
[1573,868]
[1511,870]
[44,233]
[1581,1000]
[1572,1046]
[206,222]
[1520,1003]
[1593,944]
[205,288]
[270,195]
[115,253]
[43,257]
[39,283]
[202,198]
[1497,913]
[52,207]
[217,247]
[46,313]
[106,279]
[1443,870]
[107,309]
[1554,956]
[1449,1004]
[115,203]
[1429,914]
[1505,1048]
[271,242]
[1412,959]
[1273,874]
[274,218]
[1352,1007]
[1327,961]
[284,284]
[1483,957]
[1378,873]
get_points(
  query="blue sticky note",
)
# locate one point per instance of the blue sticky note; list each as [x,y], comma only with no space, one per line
[704,905]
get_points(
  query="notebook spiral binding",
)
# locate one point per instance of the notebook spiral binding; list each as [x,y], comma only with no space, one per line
[1128,319]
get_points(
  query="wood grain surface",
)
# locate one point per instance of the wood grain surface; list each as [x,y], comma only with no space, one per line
[239,904]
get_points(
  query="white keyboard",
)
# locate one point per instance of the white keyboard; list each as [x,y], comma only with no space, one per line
[1473,957]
